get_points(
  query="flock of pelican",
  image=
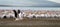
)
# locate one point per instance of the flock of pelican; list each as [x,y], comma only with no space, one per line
[19,15]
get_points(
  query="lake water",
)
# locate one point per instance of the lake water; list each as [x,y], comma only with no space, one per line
[31,8]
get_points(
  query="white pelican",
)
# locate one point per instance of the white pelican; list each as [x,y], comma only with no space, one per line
[31,15]
[20,15]
[37,16]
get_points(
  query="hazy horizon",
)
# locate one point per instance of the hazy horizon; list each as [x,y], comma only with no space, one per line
[30,4]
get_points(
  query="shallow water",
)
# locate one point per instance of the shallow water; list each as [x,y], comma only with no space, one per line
[31,8]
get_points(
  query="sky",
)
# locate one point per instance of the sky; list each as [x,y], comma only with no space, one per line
[30,3]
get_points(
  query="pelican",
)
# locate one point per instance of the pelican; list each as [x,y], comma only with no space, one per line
[20,15]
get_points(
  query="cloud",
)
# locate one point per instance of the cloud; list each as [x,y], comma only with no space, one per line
[29,2]
[17,2]
[57,1]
